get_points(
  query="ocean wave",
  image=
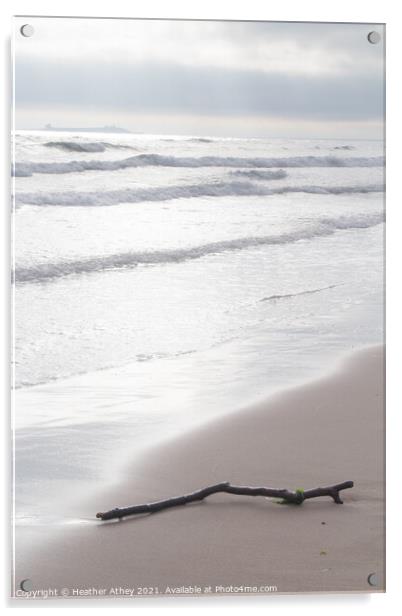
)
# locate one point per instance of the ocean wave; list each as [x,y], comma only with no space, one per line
[200,140]
[127,260]
[190,139]
[167,193]
[77,146]
[26,169]
[260,174]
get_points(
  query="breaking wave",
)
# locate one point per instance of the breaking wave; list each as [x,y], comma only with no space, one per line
[77,146]
[260,174]
[145,160]
[323,227]
[166,193]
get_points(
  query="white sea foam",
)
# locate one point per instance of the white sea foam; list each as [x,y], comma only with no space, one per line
[26,169]
[322,227]
[167,193]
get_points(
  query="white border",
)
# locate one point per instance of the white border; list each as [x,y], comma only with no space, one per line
[291,10]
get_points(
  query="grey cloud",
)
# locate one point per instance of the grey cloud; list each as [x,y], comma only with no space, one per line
[345,43]
[171,88]
[336,36]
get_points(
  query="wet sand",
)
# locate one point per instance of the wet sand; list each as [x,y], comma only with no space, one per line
[324,432]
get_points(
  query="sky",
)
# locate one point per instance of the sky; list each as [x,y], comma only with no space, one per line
[209,78]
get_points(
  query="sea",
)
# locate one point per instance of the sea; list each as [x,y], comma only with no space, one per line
[160,281]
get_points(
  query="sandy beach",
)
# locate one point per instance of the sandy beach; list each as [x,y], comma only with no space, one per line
[325,432]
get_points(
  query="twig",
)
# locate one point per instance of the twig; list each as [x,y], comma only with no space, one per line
[296,497]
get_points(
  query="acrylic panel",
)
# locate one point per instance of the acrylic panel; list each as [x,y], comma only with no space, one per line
[198,307]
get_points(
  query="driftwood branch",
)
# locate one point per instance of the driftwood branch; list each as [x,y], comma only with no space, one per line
[288,496]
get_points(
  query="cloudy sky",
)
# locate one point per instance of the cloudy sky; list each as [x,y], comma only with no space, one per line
[251,79]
